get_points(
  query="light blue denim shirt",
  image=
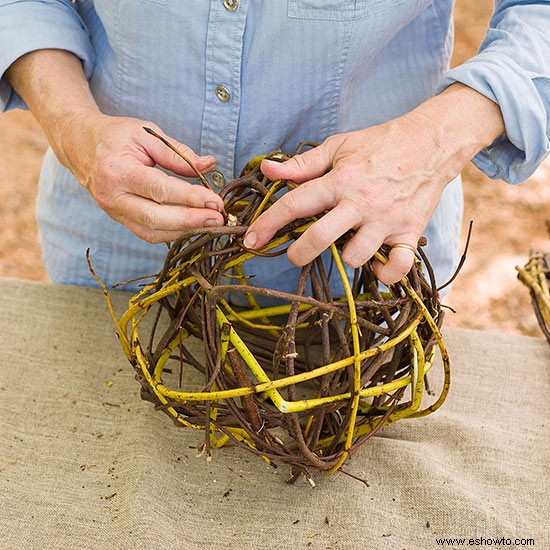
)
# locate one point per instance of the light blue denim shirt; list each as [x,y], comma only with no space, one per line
[292,70]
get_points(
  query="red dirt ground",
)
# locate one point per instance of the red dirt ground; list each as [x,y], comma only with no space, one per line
[508,220]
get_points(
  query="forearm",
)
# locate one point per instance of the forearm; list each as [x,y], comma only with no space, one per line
[54,87]
[512,68]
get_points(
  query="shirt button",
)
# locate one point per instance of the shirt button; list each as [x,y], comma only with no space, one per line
[222,93]
[230,5]
[217,178]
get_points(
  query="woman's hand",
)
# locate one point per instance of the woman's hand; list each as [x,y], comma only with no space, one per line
[114,159]
[383,182]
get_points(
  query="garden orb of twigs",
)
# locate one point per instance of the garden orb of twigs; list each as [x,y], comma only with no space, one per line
[303,383]
[535,275]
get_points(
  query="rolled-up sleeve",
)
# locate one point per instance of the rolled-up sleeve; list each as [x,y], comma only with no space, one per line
[512,68]
[27,25]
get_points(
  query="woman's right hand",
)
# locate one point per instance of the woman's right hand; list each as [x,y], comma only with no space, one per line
[115,160]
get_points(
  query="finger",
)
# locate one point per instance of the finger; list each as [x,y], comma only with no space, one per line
[319,236]
[150,235]
[152,183]
[311,164]
[163,217]
[362,246]
[400,262]
[165,157]
[308,199]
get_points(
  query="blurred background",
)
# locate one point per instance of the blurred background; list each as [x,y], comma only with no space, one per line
[508,220]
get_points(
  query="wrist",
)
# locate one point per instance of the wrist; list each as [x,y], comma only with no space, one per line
[70,134]
[460,121]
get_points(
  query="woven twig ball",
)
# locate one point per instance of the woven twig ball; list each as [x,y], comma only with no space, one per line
[304,382]
[535,275]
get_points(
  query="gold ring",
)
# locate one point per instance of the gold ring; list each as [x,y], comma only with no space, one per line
[405,246]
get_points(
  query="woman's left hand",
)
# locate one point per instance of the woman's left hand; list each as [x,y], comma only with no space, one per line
[383,182]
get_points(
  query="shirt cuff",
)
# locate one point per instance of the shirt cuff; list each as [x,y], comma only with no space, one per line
[524,100]
[30,26]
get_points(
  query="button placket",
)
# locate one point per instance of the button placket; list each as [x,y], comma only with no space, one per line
[224,47]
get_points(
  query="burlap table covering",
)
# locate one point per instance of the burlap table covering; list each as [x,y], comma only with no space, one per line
[85,464]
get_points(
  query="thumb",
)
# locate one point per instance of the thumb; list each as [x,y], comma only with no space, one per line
[176,156]
[300,168]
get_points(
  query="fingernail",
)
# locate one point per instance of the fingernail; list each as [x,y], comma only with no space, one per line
[211,222]
[270,162]
[250,239]
[212,205]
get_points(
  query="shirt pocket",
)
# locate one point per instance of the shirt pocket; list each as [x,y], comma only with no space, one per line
[338,10]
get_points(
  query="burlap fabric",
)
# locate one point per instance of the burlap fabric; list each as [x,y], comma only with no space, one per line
[85,464]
